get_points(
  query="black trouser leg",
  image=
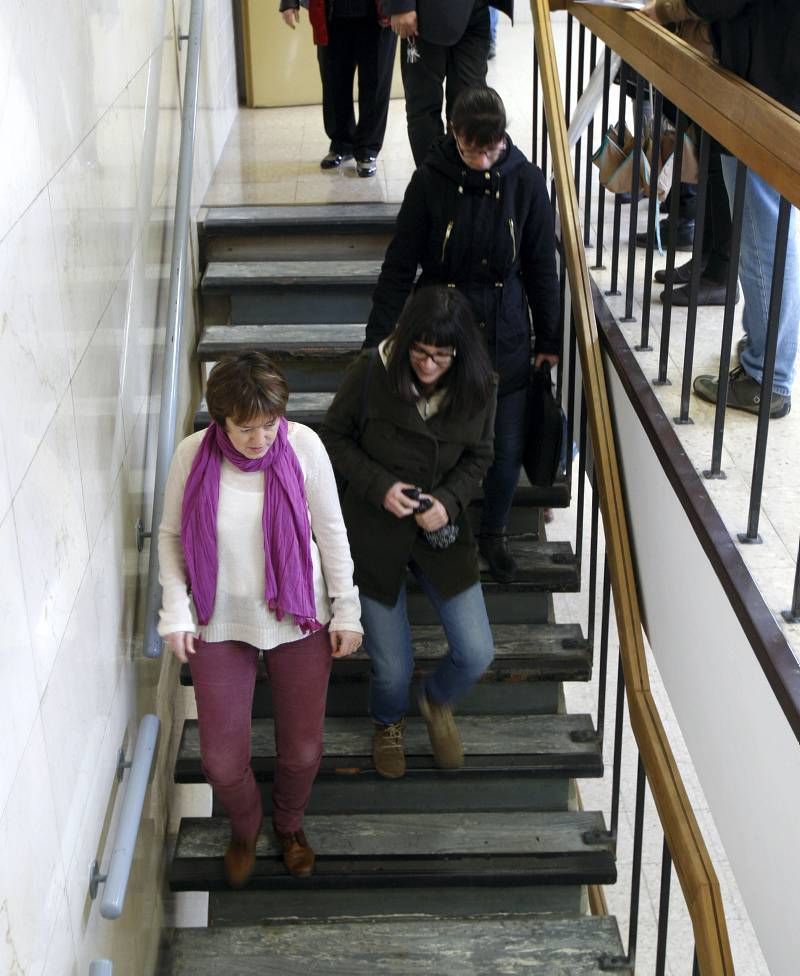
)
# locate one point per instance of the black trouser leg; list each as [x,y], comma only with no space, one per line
[717,237]
[464,65]
[337,67]
[376,46]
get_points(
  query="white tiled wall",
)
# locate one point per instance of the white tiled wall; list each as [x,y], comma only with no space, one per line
[89,131]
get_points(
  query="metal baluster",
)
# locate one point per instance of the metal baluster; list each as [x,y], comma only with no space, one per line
[535,130]
[568,90]
[562,291]
[579,145]
[636,871]
[573,367]
[601,190]
[663,910]
[652,216]
[715,471]
[674,203]
[773,324]
[587,216]
[544,142]
[694,279]
[638,138]
[605,615]
[593,531]
[793,616]
[614,289]
[617,772]
[581,480]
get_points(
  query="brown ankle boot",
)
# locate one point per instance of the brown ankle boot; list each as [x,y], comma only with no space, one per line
[297,853]
[240,859]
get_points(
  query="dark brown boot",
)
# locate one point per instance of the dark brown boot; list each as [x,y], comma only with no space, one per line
[297,853]
[240,859]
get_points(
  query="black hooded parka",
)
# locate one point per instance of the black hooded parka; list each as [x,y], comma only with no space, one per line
[489,234]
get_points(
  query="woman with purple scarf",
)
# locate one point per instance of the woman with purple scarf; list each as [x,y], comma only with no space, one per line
[254,557]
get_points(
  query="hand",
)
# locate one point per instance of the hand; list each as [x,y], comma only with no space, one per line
[291,17]
[650,11]
[344,642]
[397,503]
[434,518]
[545,357]
[405,25]
[181,643]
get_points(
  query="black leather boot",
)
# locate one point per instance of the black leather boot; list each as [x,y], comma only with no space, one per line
[493,546]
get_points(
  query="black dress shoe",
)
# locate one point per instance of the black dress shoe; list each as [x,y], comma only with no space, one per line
[681,275]
[685,236]
[334,160]
[493,546]
[367,165]
[708,293]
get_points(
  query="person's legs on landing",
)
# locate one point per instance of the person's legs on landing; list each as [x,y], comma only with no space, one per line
[299,673]
[223,676]
[423,84]
[337,66]
[375,54]
[759,228]
[467,61]
[500,484]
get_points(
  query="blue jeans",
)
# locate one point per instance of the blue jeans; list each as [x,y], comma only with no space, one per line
[756,257]
[387,638]
[501,479]
[494,16]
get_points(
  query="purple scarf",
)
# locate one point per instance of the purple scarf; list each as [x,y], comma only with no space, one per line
[287,532]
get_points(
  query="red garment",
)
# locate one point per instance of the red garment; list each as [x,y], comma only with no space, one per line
[319,22]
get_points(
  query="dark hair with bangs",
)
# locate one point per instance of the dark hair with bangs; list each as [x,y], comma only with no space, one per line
[479,117]
[245,387]
[442,317]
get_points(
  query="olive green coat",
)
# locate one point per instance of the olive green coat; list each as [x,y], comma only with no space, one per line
[445,456]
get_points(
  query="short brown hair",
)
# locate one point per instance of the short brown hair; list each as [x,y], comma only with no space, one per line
[244,387]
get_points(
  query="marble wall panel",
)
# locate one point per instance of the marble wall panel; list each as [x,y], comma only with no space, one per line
[61,959]
[32,879]
[19,698]
[5,489]
[64,78]
[34,365]
[53,546]
[98,412]
[21,175]
[138,341]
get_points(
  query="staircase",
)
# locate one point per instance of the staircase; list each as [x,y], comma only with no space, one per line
[481,870]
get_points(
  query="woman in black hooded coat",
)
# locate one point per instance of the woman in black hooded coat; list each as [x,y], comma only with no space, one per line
[476,216]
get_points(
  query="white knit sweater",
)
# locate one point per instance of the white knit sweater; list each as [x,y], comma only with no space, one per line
[240,612]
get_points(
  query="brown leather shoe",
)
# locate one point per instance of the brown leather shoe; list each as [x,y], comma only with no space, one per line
[240,859]
[297,853]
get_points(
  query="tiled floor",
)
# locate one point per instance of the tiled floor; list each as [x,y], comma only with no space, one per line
[272,156]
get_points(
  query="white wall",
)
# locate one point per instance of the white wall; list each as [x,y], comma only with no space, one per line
[89,128]
[746,756]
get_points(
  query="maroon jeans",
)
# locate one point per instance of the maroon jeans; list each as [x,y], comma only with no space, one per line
[224,675]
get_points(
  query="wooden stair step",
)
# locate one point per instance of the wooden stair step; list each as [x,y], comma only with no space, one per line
[523,652]
[543,566]
[227,276]
[388,849]
[539,745]
[330,218]
[338,343]
[430,946]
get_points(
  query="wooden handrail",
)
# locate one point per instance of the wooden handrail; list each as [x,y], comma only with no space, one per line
[761,132]
[693,865]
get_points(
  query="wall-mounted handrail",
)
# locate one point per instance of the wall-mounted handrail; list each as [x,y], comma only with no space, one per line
[119,866]
[172,345]
[101,967]
[692,863]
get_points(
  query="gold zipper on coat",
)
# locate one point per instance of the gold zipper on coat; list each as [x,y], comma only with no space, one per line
[513,238]
[446,238]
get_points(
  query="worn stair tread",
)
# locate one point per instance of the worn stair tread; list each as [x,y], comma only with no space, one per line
[545,744]
[522,652]
[225,275]
[541,565]
[408,849]
[300,218]
[313,342]
[305,408]
[429,946]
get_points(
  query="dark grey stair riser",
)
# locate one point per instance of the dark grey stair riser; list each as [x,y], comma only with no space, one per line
[234,246]
[445,794]
[253,906]
[341,302]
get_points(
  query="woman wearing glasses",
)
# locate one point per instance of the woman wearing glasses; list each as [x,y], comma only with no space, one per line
[417,414]
[476,216]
